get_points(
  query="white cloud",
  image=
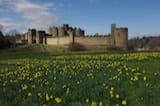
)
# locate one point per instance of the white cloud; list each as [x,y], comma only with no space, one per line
[36,15]
[10,24]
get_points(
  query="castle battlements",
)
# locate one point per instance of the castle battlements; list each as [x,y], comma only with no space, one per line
[65,30]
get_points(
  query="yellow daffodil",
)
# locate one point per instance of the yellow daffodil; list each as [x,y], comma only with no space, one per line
[100,103]
[29,94]
[47,97]
[93,103]
[144,78]
[124,102]
[117,96]
[58,100]
[87,100]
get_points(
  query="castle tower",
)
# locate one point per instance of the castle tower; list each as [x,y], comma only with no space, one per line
[66,28]
[31,36]
[82,33]
[78,32]
[26,36]
[44,38]
[53,31]
[113,27]
[71,33]
[121,38]
[39,36]
[61,32]
[112,36]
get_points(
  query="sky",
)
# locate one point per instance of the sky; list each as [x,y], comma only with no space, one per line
[142,17]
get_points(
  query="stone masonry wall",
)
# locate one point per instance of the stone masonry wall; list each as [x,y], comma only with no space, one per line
[88,41]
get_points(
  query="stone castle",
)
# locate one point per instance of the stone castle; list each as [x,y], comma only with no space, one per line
[64,35]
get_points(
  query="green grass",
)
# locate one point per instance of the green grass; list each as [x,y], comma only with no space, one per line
[74,77]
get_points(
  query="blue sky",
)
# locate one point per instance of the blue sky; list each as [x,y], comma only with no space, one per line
[140,16]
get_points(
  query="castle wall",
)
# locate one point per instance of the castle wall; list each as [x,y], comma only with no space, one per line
[93,41]
[88,41]
[58,40]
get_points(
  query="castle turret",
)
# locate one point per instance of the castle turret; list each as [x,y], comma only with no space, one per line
[82,33]
[53,31]
[112,36]
[71,33]
[66,28]
[44,39]
[31,36]
[40,35]
[79,32]
[26,36]
[61,32]
[113,27]
[118,37]
[121,38]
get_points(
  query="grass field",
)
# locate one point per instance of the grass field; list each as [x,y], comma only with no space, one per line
[39,78]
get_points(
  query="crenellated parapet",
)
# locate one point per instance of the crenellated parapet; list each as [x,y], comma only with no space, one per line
[62,31]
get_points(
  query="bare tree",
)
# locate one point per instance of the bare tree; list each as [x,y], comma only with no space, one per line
[12,32]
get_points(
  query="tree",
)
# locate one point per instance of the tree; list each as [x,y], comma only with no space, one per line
[1,27]
[12,32]
[3,41]
[97,34]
